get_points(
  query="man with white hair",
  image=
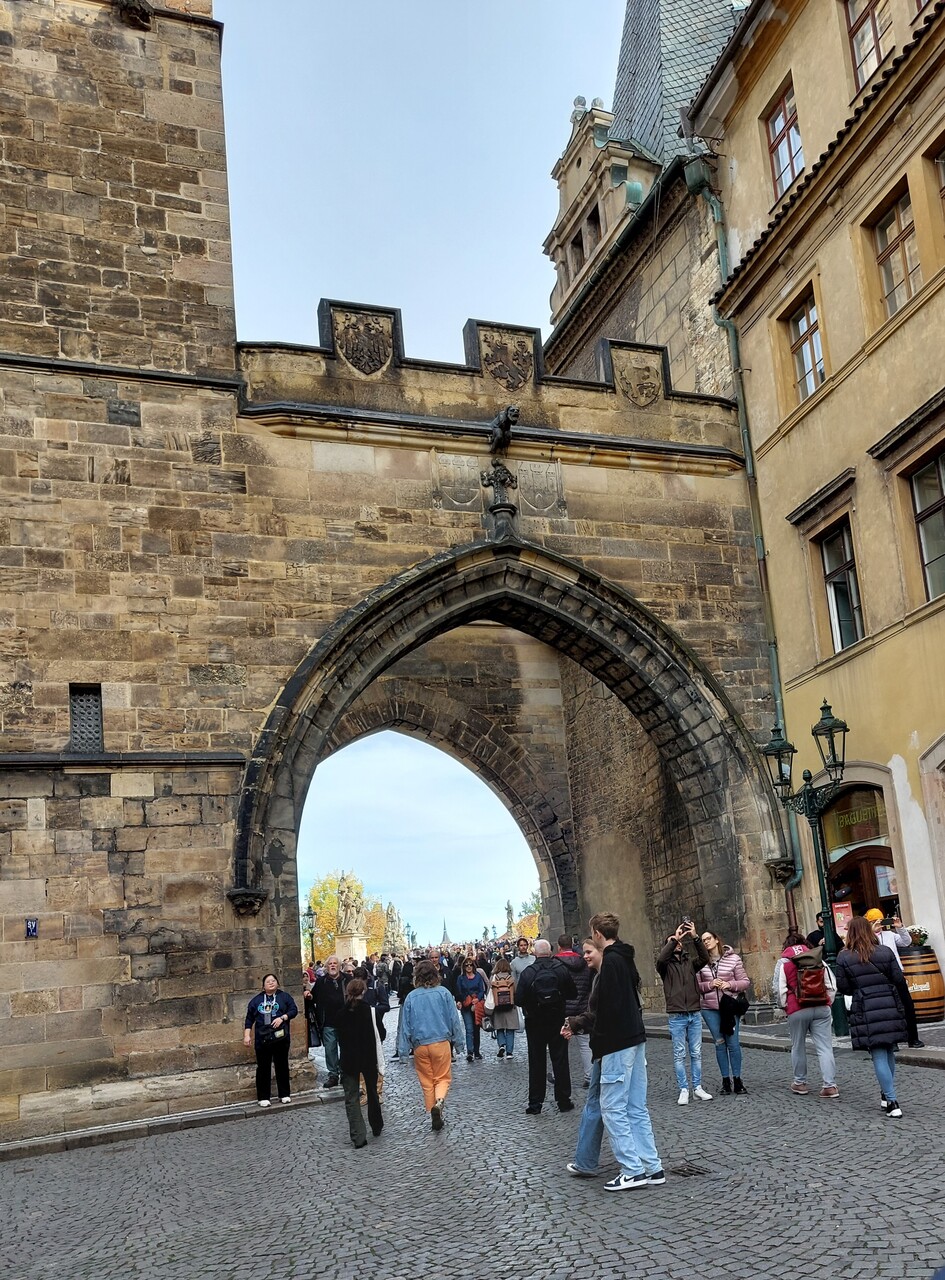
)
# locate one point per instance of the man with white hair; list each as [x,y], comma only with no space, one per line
[541,992]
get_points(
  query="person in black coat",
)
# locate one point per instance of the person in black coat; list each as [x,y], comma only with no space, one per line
[542,993]
[360,1048]
[269,1014]
[869,973]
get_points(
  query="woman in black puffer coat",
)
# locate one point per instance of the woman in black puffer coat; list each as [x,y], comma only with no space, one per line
[869,973]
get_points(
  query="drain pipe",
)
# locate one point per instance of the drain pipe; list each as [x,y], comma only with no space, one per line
[698,181]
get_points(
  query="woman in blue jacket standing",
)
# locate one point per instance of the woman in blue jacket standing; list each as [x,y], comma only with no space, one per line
[269,1014]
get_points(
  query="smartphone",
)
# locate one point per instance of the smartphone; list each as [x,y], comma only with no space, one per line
[687,920]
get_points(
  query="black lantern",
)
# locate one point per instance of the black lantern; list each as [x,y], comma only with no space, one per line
[307,920]
[830,734]
[779,755]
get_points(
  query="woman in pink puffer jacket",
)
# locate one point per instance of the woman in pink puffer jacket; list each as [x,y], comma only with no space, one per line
[723,975]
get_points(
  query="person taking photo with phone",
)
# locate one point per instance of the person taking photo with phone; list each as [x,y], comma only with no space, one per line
[677,970]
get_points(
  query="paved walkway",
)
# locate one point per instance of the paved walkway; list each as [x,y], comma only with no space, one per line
[790,1188]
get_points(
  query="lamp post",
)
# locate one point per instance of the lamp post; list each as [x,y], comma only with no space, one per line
[307,920]
[809,801]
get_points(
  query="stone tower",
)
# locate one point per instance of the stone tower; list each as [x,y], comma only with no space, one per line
[667,50]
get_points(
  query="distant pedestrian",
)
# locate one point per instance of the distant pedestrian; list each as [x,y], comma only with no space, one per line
[677,970]
[807,1001]
[616,1099]
[429,1025]
[471,991]
[504,1013]
[542,992]
[268,1015]
[868,972]
[522,958]
[359,1046]
[816,936]
[723,976]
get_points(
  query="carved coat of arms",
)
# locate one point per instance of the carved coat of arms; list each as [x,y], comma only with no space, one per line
[365,341]
[508,358]
[640,383]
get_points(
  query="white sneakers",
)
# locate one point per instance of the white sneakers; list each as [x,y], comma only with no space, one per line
[263,1102]
[698,1092]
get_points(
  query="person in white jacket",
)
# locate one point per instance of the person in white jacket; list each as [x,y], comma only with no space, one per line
[890,933]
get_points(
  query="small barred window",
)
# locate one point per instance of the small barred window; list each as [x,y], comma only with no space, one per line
[85,718]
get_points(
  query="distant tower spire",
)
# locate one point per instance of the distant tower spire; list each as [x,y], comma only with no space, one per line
[446,937]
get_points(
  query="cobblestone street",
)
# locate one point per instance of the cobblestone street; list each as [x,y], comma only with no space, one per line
[792,1187]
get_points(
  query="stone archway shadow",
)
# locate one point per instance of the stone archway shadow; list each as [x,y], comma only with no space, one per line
[496,758]
[713,761]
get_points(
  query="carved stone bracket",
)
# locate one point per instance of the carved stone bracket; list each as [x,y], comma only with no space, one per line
[500,480]
[247,902]
[136,13]
[782,871]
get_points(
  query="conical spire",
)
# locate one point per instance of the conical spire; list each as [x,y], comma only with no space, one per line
[446,937]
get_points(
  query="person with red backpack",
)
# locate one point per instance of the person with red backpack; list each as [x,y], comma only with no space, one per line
[806,990]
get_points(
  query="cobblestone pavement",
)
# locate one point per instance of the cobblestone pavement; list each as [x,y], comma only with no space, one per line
[792,1187]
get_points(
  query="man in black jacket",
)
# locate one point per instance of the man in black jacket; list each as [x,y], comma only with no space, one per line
[678,970]
[542,992]
[616,1100]
[329,996]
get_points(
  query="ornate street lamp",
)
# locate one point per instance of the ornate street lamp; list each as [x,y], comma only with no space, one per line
[307,920]
[830,734]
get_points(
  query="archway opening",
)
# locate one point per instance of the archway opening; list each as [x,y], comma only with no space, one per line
[422,832]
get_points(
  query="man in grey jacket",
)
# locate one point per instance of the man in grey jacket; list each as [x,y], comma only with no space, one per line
[677,970]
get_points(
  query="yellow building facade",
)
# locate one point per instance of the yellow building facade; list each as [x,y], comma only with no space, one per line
[827,123]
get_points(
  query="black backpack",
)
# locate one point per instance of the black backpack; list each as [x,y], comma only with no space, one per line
[546,987]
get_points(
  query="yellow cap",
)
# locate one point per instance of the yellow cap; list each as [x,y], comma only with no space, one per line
[874,914]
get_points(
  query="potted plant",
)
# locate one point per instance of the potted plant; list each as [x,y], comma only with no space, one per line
[918,934]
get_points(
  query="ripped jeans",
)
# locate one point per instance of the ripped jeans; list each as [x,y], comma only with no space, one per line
[728,1051]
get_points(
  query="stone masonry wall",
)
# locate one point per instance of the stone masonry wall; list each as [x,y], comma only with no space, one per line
[114,239]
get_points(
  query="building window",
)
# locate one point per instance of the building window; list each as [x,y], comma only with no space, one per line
[784,142]
[806,349]
[939,163]
[85,718]
[593,229]
[897,255]
[871,36]
[843,592]
[928,500]
[577,254]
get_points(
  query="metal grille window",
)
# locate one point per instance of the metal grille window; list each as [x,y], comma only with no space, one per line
[85,718]
[806,349]
[897,255]
[784,142]
[871,36]
[843,592]
[928,500]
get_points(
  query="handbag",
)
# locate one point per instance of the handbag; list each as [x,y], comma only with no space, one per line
[490,1001]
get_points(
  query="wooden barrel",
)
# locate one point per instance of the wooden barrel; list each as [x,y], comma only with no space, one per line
[926,985]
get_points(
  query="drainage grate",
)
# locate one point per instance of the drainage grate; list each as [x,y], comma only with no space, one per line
[688,1170]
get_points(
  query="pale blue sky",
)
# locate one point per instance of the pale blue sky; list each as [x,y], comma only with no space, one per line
[400,154]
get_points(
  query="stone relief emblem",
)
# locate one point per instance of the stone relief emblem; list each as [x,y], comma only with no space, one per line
[365,341]
[456,483]
[641,383]
[540,489]
[508,357]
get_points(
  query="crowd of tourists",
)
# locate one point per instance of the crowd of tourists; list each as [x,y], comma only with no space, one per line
[589,993]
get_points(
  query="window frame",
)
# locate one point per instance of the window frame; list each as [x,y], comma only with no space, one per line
[885,255]
[784,178]
[934,510]
[845,572]
[810,337]
[855,26]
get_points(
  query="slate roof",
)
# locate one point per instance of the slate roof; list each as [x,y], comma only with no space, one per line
[667,50]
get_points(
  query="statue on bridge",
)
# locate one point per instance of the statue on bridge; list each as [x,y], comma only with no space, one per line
[350,906]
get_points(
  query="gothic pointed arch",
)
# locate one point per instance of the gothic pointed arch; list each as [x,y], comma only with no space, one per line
[709,755]
[495,757]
